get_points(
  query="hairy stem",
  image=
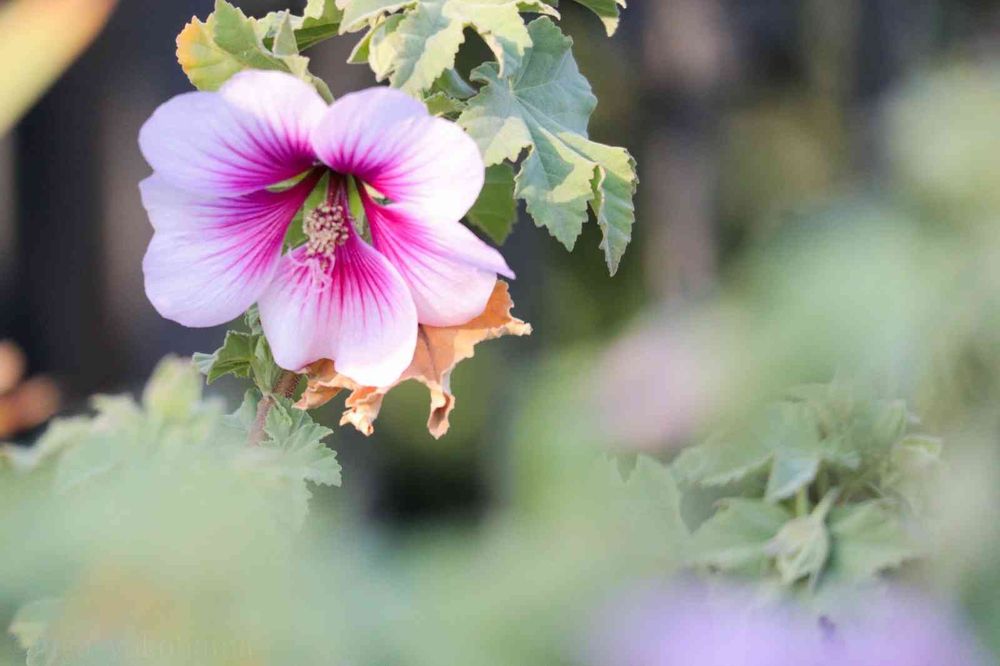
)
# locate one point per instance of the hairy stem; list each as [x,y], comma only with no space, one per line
[285,386]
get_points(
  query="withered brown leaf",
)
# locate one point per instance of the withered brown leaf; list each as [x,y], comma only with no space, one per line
[439,350]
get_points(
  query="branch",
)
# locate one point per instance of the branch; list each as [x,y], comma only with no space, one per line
[285,386]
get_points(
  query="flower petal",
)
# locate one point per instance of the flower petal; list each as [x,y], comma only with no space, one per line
[450,272]
[358,313]
[210,258]
[389,141]
[253,133]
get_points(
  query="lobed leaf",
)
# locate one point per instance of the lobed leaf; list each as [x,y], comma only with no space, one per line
[869,538]
[234,357]
[442,104]
[174,431]
[736,538]
[722,460]
[32,620]
[228,42]
[298,440]
[544,106]
[607,10]
[321,20]
[415,51]
[914,471]
[358,14]
[787,443]
[242,355]
[173,393]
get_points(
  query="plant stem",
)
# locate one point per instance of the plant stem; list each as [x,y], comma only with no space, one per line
[285,386]
[802,507]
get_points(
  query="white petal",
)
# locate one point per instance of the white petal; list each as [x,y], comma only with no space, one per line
[211,257]
[450,272]
[359,313]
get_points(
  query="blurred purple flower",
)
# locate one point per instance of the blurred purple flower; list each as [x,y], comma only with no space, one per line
[691,627]
[904,630]
[665,376]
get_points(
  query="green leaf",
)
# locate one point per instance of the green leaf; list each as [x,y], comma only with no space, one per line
[286,48]
[320,21]
[626,464]
[359,13]
[794,438]
[174,390]
[495,212]
[889,422]
[423,46]
[722,460]
[442,104]
[376,47]
[32,621]
[291,454]
[607,10]
[96,454]
[265,371]
[736,538]
[205,63]
[237,35]
[914,470]
[451,83]
[869,538]
[298,439]
[361,53]
[645,493]
[243,418]
[228,42]
[252,320]
[234,357]
[786,442]
[544,106]
[790,471]
[242,355]
[61,434]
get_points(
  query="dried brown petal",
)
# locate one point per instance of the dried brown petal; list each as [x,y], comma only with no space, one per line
[439,350]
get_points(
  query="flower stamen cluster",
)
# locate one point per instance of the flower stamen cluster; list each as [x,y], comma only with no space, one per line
[326,229]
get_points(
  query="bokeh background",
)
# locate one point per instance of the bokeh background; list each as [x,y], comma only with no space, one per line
[819,192]
[741,114]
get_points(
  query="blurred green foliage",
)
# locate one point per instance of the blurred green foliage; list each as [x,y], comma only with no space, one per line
[150,533]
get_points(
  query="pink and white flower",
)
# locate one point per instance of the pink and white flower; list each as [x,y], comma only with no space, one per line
[220,206]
